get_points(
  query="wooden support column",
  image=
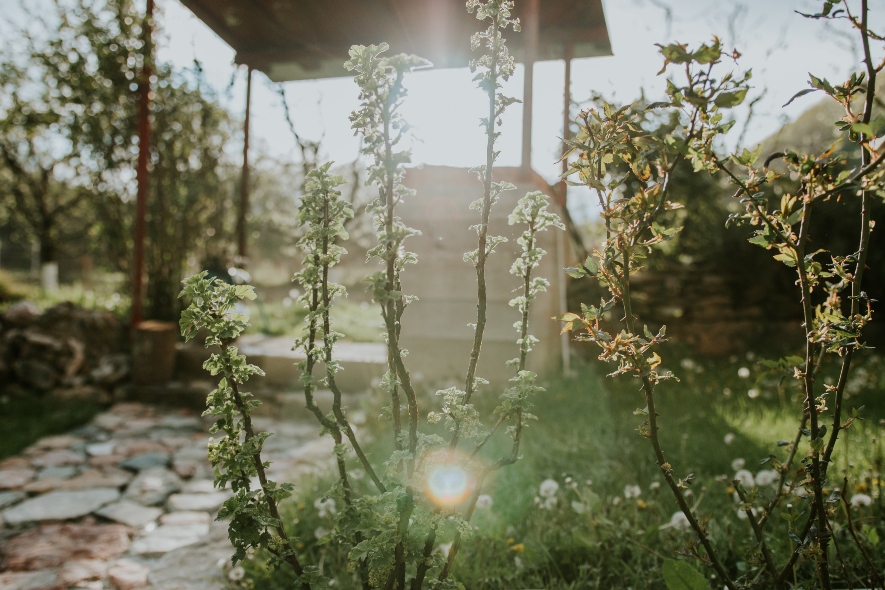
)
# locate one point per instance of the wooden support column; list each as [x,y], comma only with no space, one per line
[562,263]
[242,244]
[566,120]
[530,31]
[144,146]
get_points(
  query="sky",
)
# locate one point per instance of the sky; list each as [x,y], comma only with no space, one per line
[444,106]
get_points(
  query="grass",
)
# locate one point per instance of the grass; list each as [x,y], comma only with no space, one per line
[585,439]
[358,321]
[24,419]
[105,291]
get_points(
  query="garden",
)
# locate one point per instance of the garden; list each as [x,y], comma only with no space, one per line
[703,410]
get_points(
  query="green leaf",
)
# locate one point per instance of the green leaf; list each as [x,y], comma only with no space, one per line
[760,240]
[821,84]
[862,128]
[708,53]
[675,53]
[591,266]
[575,273]
[680,575]
[871,534]
[244,292]
[727,100]
[798,94]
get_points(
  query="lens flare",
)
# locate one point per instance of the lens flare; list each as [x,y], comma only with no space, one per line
[448,482]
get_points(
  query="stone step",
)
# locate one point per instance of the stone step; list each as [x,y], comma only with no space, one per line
[362,363]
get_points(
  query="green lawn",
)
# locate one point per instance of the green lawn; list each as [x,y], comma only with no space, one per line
[24,419]
[600,531]
[358,321]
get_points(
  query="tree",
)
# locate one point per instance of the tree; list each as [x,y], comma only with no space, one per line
[69,107]
[41,174]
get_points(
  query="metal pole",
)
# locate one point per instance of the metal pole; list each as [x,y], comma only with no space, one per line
[242,246]
[144,146]
[530,31]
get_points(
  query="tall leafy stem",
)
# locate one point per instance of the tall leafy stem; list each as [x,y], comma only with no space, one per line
[497,65]
[254,513]
[382,127]
[384,530]
[617,156]
[828,330]
[531,211]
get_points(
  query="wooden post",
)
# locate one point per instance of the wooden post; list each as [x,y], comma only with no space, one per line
[144,146]
[566,120]
[242,244]
[530,30]
[563,203]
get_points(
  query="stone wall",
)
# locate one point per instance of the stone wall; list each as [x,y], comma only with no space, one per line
[715,314]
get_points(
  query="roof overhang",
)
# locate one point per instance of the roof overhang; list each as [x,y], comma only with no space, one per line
[303,39]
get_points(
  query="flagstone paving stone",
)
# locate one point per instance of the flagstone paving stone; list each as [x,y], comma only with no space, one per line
[127,502]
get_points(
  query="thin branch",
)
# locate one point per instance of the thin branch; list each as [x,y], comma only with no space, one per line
[757,530]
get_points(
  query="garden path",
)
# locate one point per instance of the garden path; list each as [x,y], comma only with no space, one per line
[127,501]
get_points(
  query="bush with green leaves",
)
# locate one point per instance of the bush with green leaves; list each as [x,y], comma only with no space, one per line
[835,307]
[427,491]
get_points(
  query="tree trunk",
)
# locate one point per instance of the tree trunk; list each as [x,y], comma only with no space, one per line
[48,258]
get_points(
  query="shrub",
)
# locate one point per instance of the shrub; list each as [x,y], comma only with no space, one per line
[832,323]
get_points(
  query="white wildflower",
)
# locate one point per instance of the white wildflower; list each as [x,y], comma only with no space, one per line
[484,501]
[753,393]
[320,532]
[729,438]
[548,488]
[236,574]
[517,562]
[745,478]
[687,364]
[767,477]
[550,503]
[738,464]
[632,492]
[444,548]
[679,521]
[654,486]
[325,507]
[861,500]
[616,500]
[800,492]
[578,507]
[726,392]
[743,372]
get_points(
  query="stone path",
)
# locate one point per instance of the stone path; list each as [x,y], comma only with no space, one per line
[127,502]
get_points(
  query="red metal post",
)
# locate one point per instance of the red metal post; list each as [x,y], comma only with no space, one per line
[530,31]
[242,246]
[566,121]
[144,146]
